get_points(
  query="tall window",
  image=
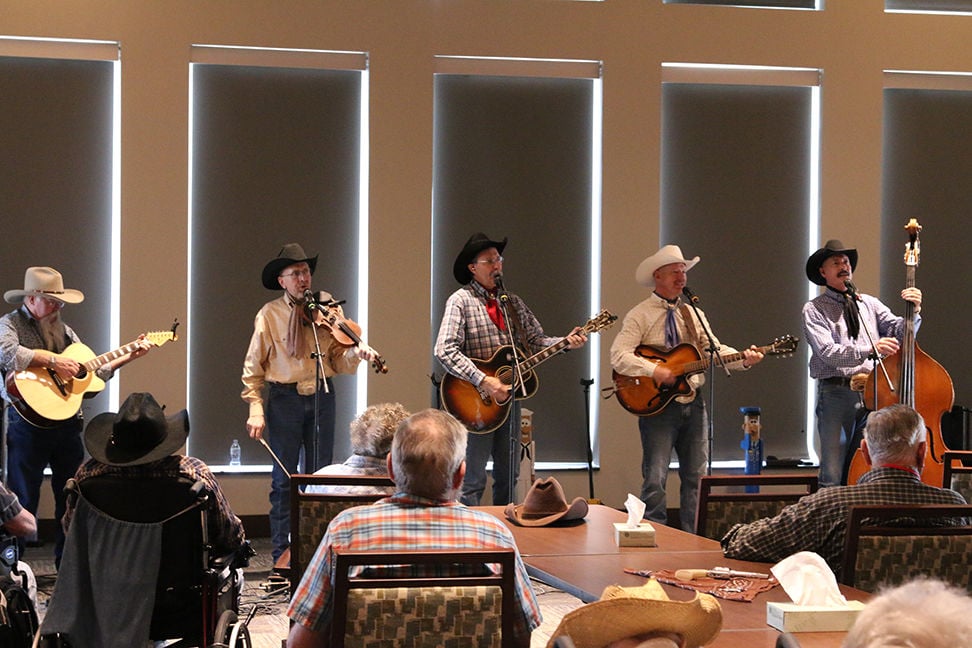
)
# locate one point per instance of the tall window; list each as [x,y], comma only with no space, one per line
[276,157]
[514,156]
[57,117]
[737,190]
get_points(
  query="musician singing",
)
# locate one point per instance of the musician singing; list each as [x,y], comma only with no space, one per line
[664,321]
[34,336]
[473,327]
[840,348]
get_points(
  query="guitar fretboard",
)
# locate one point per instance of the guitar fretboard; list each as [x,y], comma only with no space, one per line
[94,363]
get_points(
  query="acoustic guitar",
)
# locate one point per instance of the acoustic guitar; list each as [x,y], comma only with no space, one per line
[641,396]
[476,409]
[44,400]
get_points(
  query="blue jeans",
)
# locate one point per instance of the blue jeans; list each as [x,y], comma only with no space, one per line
[479,448]
[681,427]
[30,449]
[836,411]
[290,433]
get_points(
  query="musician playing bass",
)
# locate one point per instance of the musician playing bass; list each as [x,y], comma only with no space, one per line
[33,336]
[840,348]
[665,321]
[473,327]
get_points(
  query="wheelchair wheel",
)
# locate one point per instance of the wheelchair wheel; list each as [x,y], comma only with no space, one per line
[230,632]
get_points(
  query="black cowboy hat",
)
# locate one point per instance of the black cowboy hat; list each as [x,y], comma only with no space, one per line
[476,244]
[830,248]
[139,433]
[289,255]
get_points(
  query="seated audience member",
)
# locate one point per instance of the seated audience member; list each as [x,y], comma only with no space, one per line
[138,443]
[894,446]
[427,464]
[14,518]
[640,617]
[371,438]
[924,613]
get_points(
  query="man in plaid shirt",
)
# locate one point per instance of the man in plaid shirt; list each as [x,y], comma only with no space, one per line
[473,326]
[894,445]
[426,463]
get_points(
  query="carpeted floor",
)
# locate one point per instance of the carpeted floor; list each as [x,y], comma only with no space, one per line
[267,600]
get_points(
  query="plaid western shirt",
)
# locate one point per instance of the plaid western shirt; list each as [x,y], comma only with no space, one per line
[405,523]
[818,522]
[467,332]
[835,354]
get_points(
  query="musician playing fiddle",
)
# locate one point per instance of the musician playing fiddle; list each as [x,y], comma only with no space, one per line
[280,378]
[664,321]
[841,349]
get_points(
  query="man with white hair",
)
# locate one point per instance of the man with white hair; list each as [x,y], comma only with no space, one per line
[427,465]
[34,337]
[894,446]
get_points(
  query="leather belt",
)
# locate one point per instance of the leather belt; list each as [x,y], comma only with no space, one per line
[836,380]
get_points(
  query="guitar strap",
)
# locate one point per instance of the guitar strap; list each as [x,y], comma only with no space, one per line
[689,319]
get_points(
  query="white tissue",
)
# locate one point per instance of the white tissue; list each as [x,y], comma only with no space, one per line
[808,580]
[636,511]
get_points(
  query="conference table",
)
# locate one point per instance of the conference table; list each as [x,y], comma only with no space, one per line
[582,559]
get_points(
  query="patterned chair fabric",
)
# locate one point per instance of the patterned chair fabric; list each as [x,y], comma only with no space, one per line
[893,560]
[398,602]
[417,617]
[310,513]
[891,544]
[723,500]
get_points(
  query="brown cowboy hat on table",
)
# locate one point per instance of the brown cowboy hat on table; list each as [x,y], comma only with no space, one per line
[476,244]
[544,504]
[830,248]
[139,433]
[629,612]
[645,274]
[289,254]
[41,281]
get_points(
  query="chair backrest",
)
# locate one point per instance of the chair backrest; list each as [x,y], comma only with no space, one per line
[182,568]
[310,513]
[723,500]
[407,605]
[957,472]
[893,543]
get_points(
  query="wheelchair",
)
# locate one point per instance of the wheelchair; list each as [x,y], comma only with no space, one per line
[196,597]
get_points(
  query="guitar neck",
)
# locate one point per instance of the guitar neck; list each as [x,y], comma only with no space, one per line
[701,365]
[94,363]
[544,354]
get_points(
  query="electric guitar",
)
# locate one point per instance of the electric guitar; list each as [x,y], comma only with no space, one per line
[45,400]
[476,409]
[641,396]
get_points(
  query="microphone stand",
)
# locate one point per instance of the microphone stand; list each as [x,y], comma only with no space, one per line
[319,379]
[713,354]
[518,383]
[587,382]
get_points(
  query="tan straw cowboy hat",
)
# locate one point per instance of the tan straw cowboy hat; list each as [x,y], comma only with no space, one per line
[627,612]
[545,503]
[645,274]
[41,281]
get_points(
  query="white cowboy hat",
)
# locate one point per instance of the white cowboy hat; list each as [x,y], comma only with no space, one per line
[645,274]
[625,612]
[42,281]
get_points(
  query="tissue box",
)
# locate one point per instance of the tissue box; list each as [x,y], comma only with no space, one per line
[790,617]
[625,536]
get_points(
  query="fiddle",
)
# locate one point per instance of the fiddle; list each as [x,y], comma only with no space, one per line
[345,331]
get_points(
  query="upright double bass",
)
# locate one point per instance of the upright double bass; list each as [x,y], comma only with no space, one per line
[918,380]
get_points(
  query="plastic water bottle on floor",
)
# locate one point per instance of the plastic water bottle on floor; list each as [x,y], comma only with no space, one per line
[235,453]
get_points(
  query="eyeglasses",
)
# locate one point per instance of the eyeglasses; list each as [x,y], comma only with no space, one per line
[298,274]
[493,261]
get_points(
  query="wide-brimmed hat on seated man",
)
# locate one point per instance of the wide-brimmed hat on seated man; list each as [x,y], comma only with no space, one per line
[139,433]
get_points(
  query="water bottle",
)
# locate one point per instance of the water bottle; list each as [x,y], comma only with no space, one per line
[235,453]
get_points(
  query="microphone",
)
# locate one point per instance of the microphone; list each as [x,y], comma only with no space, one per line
[851,290]
[691,296]
[310,299]
[500,288]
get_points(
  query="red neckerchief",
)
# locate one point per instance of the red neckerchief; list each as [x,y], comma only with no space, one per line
[494,312]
